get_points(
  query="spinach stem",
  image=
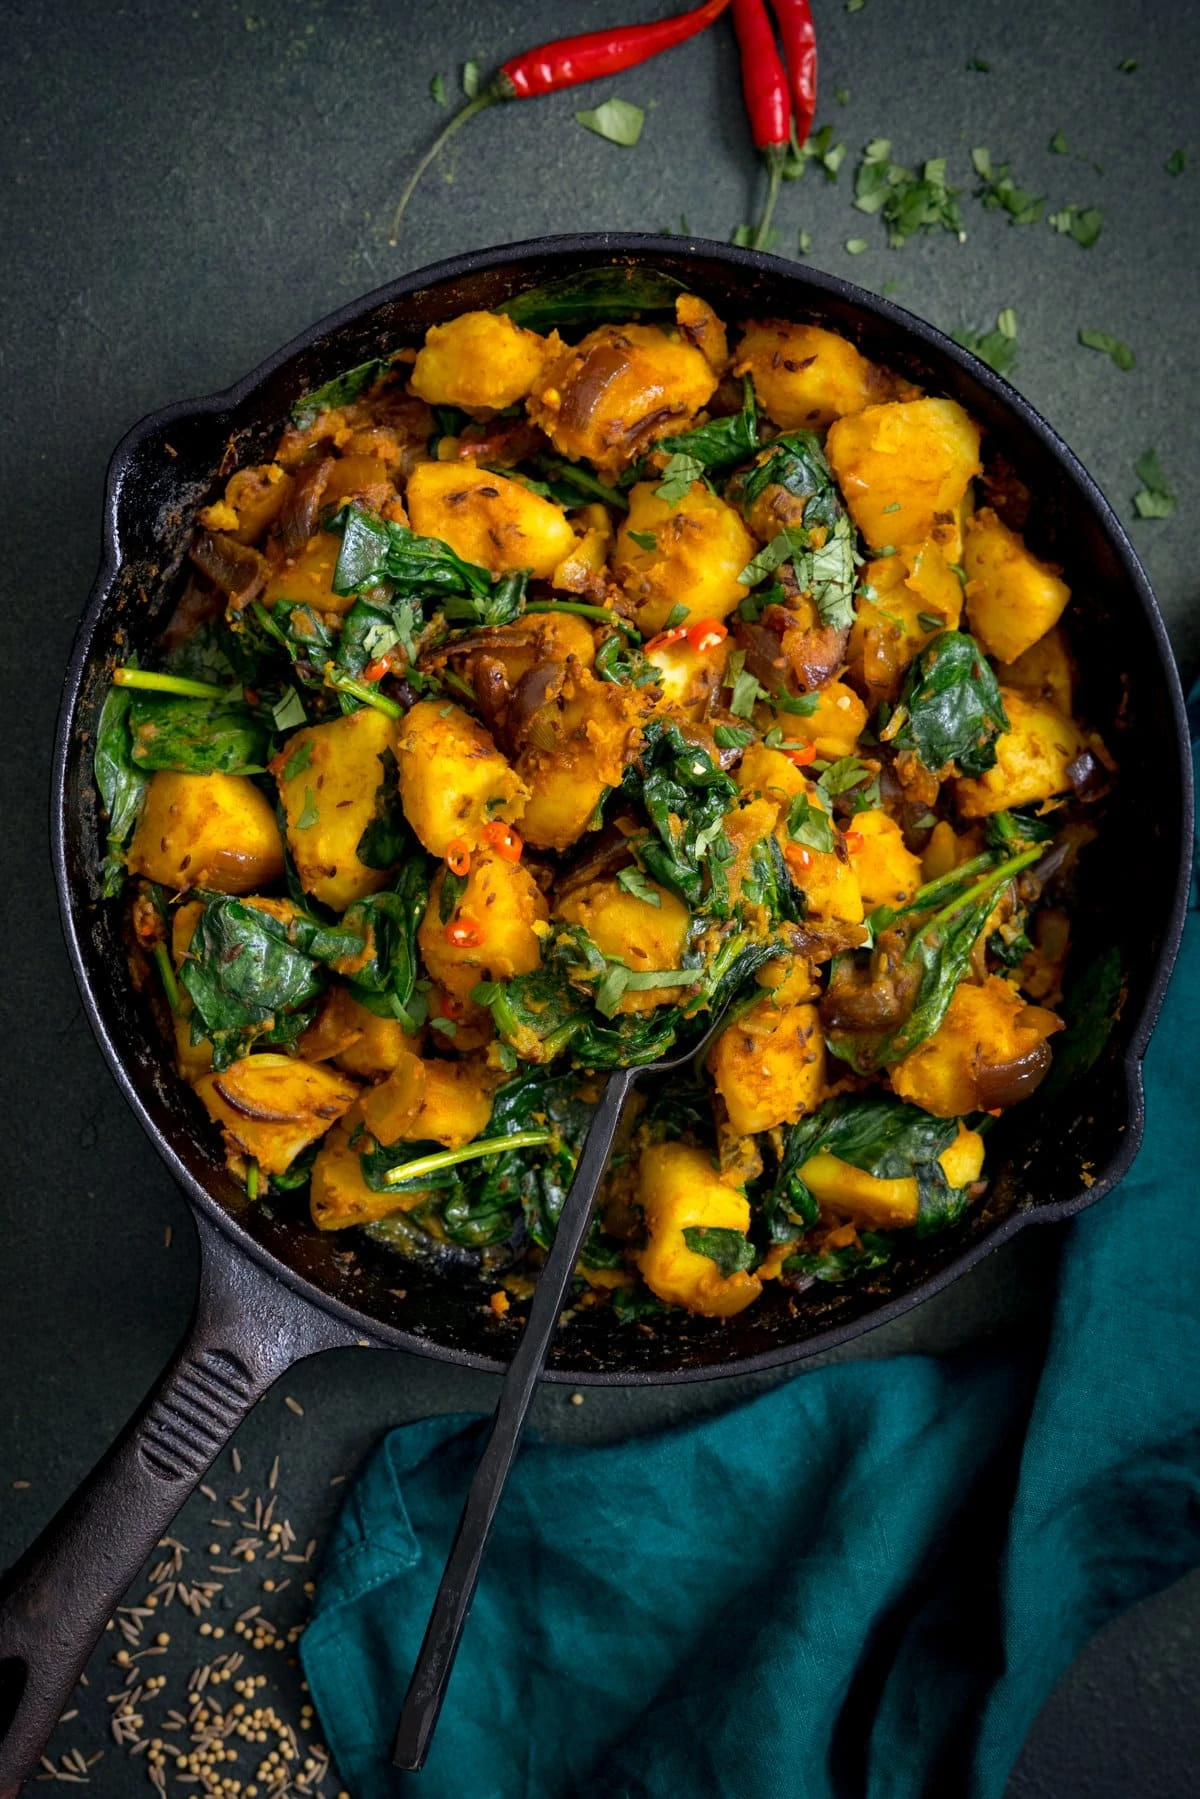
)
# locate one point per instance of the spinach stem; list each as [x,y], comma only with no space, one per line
[584,611]
[359,690]
[997,878]
[252,1178]
[180,684]
[167,975]
[976,865]
[448,1158]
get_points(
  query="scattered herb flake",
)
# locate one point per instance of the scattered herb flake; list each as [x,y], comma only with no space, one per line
[842,95]
[855,5]
[856,245]
[1153,499]
[635,882]
[1121,354]
[678,477]
[1127,67]
[310,814]
[744,237]
[999,192]
[997,348]
[977,65]
[907,202]
[289,712]
[618,121]
[1176,163]
[470,78]
[1084,224]
[1058,144]
[810,824]
[804,242]
[437,89]
[645,540]
[298,761]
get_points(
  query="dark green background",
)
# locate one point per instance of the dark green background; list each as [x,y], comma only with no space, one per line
[186,186]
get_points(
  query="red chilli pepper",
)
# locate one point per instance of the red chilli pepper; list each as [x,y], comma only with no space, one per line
[854,841]
[802,757]
[800,53]
[458,856]
[464,933]
[506,842]
[764,84]
[375,671]
[567,62]
[706,634]
[665,639]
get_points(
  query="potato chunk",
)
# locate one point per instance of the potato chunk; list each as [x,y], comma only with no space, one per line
[206,831]
[1044,670]
[989,1050]
[769,1065]
[1032,758]
[453,779]
[834,726]
[828,882]
[678,1187]
[903,468]
[359,1041]
[917,594]
[617,391]
[579,744]
[488,519]
[804,376]
[847,1192]
[329,776]
[307,578]
[448,1102]
[644,936]
[1012,598]
[504,902]
[888,873]
[272,1107]
[479,359]
[339,1196]
[700,548]
[688,677]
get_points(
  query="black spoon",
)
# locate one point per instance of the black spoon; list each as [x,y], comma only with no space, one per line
[435,1663]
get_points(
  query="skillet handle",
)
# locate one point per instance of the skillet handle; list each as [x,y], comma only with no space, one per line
[247,1329]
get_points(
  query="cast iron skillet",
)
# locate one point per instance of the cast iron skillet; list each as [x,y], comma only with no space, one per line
[272,1289]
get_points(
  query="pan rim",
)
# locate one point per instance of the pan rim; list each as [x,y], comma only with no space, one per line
[811,281]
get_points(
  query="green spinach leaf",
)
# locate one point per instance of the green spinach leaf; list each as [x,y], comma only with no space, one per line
[247,981]
[197,737]
[731,1250]
[121,783]
[954,712]
[343,389]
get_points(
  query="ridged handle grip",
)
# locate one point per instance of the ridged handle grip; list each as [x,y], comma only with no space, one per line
[247,1329]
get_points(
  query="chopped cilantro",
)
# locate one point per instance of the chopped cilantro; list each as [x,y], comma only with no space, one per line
[1121,354]
[977,65]
[1127,67]
[470,78]
[298,761]
[1084,224]
[645,540]
[1058,144]
[804,242]
[997,348]
[907,202]
[1152,499]
[310,815]
[842,95]
[437,89]
[288,712]
[635,882]
[732,737]
[855,5]
[1176,163]
[678,477]
[855,246]
[999,192]
[678,615]
[810,824]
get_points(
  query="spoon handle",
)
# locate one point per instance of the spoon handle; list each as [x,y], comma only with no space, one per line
[435,1663]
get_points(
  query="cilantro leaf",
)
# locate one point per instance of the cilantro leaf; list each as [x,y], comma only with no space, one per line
[810,824]
[1153,499]
[618,121]
[679,476]
[635,882]
[731,1250]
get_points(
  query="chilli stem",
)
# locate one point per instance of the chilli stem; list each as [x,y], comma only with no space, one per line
[486,97]
[447,1158]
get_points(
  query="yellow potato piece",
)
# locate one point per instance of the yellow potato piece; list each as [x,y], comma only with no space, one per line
[213,831]
[769,1065]
[647,938]
[271,1107]
[873,1204]
[583,742]
[306,579]
[505,902]
[1043,670]
[1012,598]
[617,391]
[917,595]
[358,1040]
[487,519]
[447,1102]
[828,882]
[833,727]
[700,548]
[678,1187]
[701,326]
[1032,757]
[888,873]
[805,376]
[478,360]
[339,1196]
[987,1026]
[453,779]
[687,677]
[329,800]
[904,468]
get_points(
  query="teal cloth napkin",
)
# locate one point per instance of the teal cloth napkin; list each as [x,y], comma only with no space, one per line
[865,1581]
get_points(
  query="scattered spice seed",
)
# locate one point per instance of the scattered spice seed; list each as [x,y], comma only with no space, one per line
[293,1405]
[20,1486]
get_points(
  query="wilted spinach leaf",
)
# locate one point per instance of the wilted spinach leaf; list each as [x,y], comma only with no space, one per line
[953,706]
[722,442]
[339,392]
[1090,1006]
[732,1251]
[247,981]
[872,1250]
[686,797]
[121,783]
[387,922]
[376,553]
[795,461]
[574,303]
[196,737]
